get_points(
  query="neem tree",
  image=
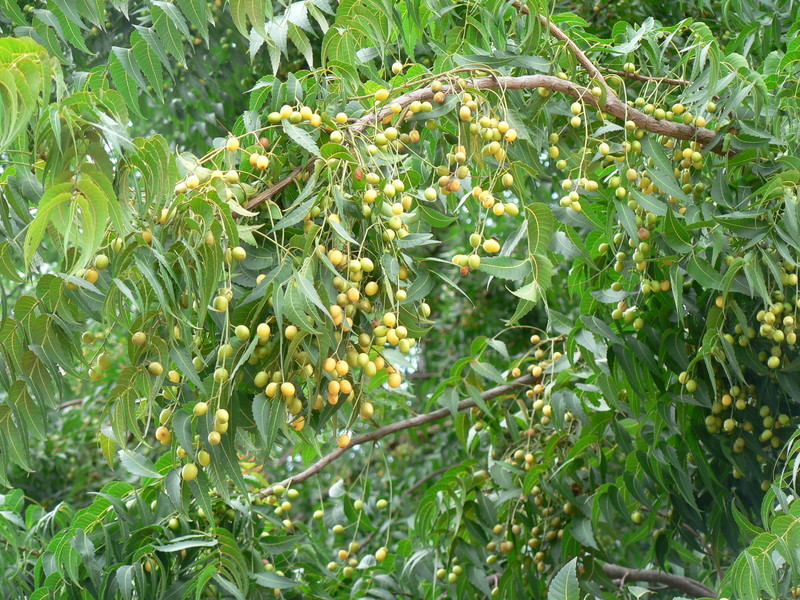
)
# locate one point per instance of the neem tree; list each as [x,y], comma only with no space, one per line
[298,373]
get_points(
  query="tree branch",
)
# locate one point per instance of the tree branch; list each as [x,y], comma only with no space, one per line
[613,105]
[677,582]
[275,188]
[382,432]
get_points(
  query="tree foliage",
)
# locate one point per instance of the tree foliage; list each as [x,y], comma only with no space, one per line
[421,299]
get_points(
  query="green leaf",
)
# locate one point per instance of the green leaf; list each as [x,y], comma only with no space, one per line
[12,442]
[564,586]
[126,77]
[676,234]
[540,226]
[331,150]
[136,464]
[55,197]
[301,137]
[270,579]
[187,541]
[149,62]
[505,267]
[269,414]
[488,371]
[7,266]
[661,171]
[27,410]
[196,12]
[702,272]
[241,10]
[435,218]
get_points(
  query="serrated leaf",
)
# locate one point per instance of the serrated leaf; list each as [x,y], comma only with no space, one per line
[11,440]
[269,579]
[268,415]
[301,137]
[196,12]
[187,541]
[505,267]
[540,226]
[676,234]
[149,62]
[564,586]
[136,464]
[126,84]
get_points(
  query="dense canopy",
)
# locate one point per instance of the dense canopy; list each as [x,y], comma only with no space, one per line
[423,299]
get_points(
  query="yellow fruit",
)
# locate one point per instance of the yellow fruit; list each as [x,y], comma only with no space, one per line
[189,472]
[491,246]
[214,438]
[343,441]
[263,331]
[381,95]
[221,303]
[232,144]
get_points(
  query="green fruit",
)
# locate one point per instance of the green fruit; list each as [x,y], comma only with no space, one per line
[101,261]
[155,369]
[242,332]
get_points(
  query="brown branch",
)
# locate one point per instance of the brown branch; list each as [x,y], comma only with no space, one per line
[637,77]
[677,582]
[73,402]
[381,432]
[277,187]
[557,33]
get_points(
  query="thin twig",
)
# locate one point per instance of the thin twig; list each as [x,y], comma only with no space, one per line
[382,432]
[557,33]
[428,477]
[638,77]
